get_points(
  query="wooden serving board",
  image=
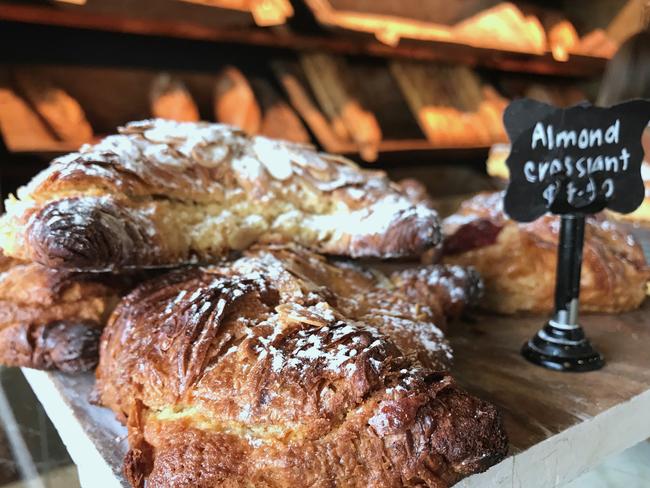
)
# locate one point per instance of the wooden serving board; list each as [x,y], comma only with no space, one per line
[560,424]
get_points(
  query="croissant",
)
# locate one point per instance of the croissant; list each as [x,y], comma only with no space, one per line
[276,371]
[52,319]
[166,193]
[517,261]
[415,300]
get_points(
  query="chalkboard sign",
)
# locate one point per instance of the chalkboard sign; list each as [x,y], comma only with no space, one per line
[580,159]
[572,162]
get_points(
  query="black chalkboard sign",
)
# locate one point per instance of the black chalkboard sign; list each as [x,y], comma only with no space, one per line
[579,159]
[572,162]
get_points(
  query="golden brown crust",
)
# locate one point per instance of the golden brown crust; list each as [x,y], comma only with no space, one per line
[282,369]
[454,287]
[170,99]
[234,101]
[165,193]
[71,347]
[51,319]
[517,261]
[410,306]
[416,191]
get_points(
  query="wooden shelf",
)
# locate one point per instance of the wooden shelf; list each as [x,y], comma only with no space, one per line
[392,153]
[396,154]
[400,145]
[577,66]
[55,148]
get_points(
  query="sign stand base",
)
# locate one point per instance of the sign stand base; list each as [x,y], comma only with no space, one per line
[562,348]
[561,345]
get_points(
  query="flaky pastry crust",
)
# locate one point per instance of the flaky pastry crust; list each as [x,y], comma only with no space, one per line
[167,193]
[52,319]
[282,369]
[517,261]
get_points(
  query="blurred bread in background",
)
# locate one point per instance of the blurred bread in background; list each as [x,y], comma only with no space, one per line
[171,100]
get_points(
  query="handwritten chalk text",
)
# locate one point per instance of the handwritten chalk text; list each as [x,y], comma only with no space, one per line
[584,138]
[581,167]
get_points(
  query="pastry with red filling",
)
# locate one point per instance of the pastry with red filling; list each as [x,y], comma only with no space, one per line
[517,260]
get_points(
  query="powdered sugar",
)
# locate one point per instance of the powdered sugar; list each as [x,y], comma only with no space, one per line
[157,168]
[277,362]
[325,345]
[275,156]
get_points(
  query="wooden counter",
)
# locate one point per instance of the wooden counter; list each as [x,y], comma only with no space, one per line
[559,424]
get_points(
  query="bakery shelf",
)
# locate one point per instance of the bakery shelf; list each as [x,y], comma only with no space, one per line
[392,153]
[405,153]
[510,61]
[559,424]
[399,145]
[54,148]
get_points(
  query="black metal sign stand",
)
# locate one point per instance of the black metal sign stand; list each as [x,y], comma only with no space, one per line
[561,344]
[572,162]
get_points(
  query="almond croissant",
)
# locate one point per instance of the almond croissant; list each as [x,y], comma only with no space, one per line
[165,193]
[283,370]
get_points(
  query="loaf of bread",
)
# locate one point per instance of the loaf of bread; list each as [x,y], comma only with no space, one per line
[279,121]
[338,96]
[283,370]
[291,77]
[597,43]
[62,113]
[451,105]
[21,128]
[235,102]
[166,193]
[503,26]
[496,162]
[562,36]
[52,319]
[518,260]
[170,99]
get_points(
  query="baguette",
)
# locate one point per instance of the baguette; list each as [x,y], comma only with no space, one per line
[562,38]
[171,100]
[279,121]
[289,77]
[235,103]
[58,109]
[335,93]
[22,128]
